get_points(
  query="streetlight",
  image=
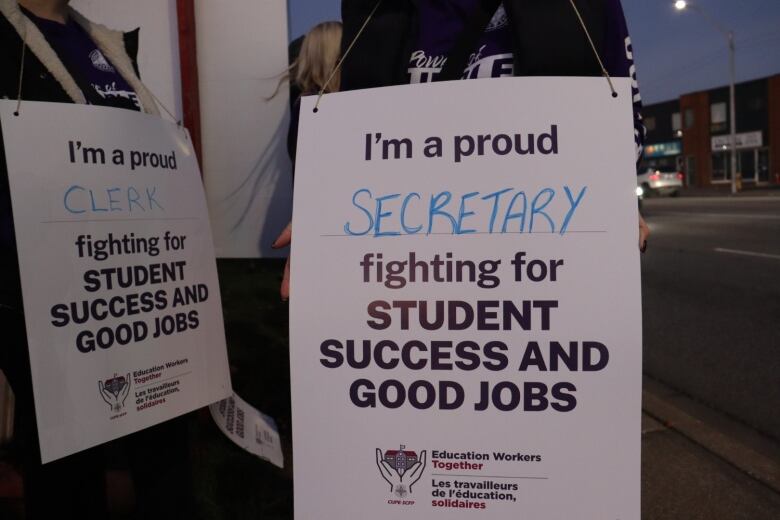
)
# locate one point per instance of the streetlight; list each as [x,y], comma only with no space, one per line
[681,5]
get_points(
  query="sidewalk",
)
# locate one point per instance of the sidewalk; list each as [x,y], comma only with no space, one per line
[700,465]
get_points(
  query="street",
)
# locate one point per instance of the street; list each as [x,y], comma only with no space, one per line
[711,303]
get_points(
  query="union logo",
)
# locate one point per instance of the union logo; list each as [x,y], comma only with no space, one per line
[401,469]
[114,391]
[100,62]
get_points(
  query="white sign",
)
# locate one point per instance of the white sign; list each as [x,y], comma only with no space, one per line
[121,297]
[465,310]
[249,428]
[746,140]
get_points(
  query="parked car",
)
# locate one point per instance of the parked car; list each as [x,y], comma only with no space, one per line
[655,182]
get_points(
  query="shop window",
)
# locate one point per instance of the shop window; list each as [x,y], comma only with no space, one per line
[721,165]
[763,165]
[650,123]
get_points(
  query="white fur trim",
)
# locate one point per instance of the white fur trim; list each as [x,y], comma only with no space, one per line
[110,42]
[37,44]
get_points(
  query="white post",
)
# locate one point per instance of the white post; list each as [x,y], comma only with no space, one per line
[681,5]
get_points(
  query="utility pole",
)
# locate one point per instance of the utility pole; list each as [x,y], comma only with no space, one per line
[681,5]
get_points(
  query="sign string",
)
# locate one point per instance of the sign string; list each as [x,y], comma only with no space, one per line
[341,60]
[21,74]
[593,46]
[162,105]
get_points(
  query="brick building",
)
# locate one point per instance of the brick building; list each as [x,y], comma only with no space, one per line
[691,134]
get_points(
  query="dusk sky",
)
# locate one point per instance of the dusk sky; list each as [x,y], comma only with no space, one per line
[675,52]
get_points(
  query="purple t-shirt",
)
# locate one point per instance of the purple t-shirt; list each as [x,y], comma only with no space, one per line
[441,23]
[94,74]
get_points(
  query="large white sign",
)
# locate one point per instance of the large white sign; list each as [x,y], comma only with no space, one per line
[465,310]
[121,296]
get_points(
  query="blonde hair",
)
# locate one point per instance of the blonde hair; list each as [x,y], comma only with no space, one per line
[316,60]
[319,54]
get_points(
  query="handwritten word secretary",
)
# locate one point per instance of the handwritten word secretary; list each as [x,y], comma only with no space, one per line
[505,211]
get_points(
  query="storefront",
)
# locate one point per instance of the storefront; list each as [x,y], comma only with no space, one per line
[752,158]
[691,134]
[663,156]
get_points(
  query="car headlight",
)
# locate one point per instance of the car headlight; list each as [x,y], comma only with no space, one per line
[639,191]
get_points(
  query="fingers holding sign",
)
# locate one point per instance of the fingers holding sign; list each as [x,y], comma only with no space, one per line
[284,240]
[644,233]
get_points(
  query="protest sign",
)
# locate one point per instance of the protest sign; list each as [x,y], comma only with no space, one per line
[249,428]
[121,297]
[465,308]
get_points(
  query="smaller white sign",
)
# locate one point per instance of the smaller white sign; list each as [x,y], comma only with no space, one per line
[745,140]
[251,429]
[121,295]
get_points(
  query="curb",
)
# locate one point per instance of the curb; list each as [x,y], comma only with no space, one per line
[758,466]
[688,193]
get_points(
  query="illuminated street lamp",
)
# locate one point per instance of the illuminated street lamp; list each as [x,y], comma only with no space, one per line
[681,5]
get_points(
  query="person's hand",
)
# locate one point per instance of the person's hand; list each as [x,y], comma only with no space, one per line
[644,232]
[283,240]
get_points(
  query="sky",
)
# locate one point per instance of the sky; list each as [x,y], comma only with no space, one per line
[675,52]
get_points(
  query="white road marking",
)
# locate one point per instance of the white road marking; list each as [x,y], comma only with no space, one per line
[696,200]
[727,216]
[747,253]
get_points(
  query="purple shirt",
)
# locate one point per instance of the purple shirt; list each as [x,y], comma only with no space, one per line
[441,23]
[97,78]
